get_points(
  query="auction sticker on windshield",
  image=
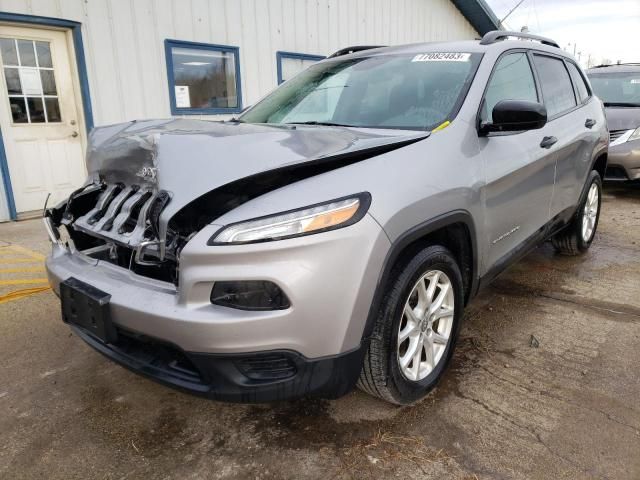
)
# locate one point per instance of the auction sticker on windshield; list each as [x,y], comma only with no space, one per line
[442,57]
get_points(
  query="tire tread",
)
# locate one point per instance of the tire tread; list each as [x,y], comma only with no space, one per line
[568,241]
[374,377]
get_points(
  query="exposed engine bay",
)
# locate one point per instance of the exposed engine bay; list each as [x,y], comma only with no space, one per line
[153,185]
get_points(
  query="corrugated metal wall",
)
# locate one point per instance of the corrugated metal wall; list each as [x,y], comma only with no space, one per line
[125,52]
[124,39]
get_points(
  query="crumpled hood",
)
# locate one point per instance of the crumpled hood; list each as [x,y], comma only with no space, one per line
[189,158]
[622,118]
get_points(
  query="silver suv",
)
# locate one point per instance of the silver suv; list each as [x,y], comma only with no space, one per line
[331,235]
[618,86]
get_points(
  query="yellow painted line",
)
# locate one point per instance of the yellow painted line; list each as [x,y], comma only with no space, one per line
[18,294]
[27,252]
[22,270]
[23,281]
[19,260]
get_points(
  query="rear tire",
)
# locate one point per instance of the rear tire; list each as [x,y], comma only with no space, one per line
[577,237]
[416,328]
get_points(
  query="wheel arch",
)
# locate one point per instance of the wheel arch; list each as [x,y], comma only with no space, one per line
[599,163]
[454,230]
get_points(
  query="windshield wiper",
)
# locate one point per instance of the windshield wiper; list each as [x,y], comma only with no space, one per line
[315,122]
[621,104]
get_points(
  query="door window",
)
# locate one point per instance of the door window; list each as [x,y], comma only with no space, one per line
[512,79]
[30,81]
[555,83]
[578,81]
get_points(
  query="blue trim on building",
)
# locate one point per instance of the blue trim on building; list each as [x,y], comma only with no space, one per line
[479,15]
[168,45]
[298,56]
[76,32]
[6,181]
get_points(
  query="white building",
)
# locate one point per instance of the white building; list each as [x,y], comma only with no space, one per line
[68,65]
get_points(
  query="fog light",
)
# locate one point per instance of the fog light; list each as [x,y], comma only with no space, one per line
[249,295]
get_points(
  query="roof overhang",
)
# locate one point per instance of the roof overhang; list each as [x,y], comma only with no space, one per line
[479,15]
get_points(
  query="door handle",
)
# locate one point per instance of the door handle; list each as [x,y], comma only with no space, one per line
[74,134]
[590,122]
[548,142]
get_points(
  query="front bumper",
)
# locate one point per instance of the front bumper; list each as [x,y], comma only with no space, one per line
[623,161]
[246,378]
[329,278]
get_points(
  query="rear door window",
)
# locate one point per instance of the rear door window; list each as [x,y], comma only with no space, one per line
[555,83]
[579,82]
[512,79]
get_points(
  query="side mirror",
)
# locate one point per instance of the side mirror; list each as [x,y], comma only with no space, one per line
[515,116]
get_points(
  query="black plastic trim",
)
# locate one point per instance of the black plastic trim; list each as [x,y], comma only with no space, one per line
[284,306]
[353,49]
[221,377]
[411,235]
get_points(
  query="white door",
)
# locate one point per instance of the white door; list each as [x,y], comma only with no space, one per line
[40,116]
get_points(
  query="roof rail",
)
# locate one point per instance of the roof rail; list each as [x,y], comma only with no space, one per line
[497,35]
[355,48]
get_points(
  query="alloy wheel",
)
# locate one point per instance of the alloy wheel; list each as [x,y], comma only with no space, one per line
[590,213]
[426,325]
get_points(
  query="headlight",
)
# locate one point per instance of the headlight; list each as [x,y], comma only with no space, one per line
[318,218]
[635,135]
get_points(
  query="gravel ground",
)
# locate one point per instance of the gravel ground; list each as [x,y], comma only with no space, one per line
[567,408]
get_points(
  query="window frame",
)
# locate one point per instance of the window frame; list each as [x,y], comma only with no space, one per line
[280,55]
[536,83]
[43,96]
[573,87]
[169,44]
[584,80]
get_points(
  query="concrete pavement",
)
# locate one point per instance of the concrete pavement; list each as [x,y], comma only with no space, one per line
[567,408]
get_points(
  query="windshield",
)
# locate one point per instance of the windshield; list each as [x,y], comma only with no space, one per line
[617,88]
[392,91]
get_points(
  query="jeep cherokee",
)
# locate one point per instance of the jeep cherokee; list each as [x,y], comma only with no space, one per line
[333,233]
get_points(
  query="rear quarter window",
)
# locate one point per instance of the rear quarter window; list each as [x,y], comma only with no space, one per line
[557,90]
[579,82]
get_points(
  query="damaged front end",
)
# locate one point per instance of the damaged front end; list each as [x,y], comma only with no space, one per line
[115,217]
[117,223]
[153,185]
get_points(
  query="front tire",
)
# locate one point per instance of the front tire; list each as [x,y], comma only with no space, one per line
[577,237]
[416,329]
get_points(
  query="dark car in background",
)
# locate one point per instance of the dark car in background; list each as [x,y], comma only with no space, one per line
[618,86]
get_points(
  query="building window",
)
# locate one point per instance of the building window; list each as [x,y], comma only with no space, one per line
[31,84]
[203,78]
[290,64]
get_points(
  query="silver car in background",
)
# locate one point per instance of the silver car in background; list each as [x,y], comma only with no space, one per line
[331,235]
[618,86]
